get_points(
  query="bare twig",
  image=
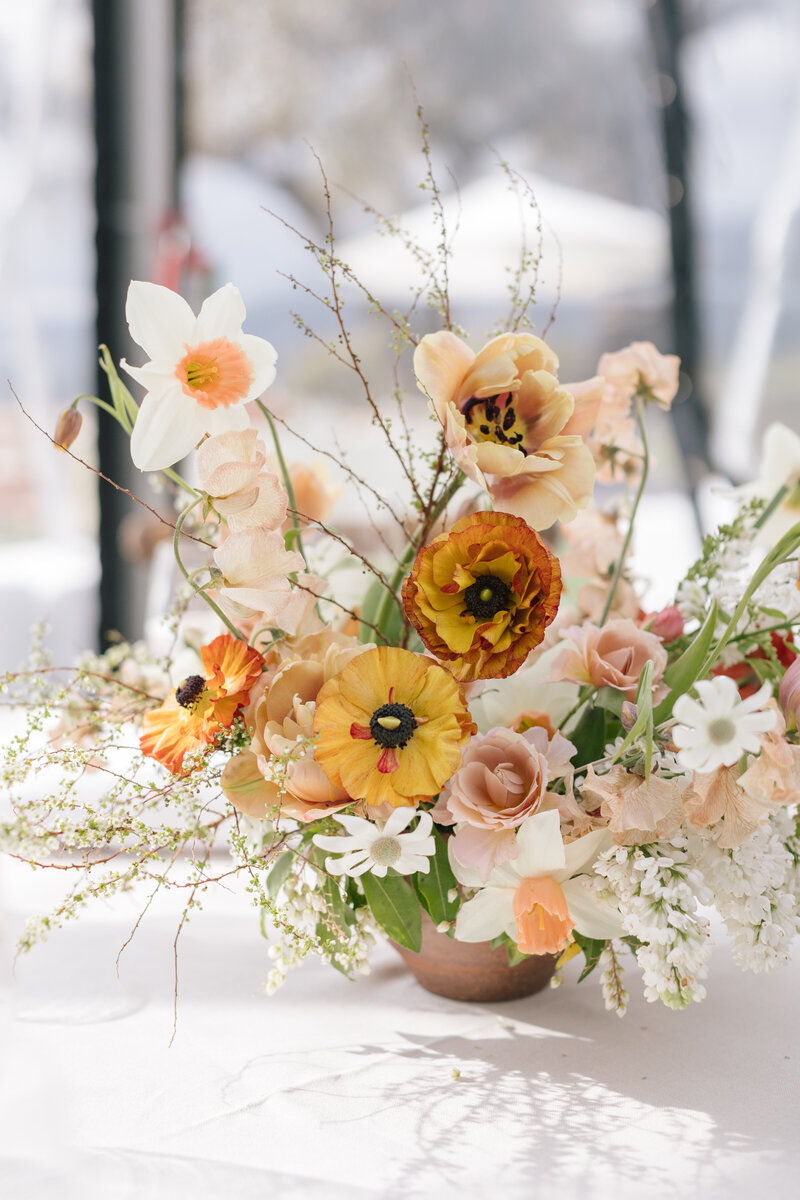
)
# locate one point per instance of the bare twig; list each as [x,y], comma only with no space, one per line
[344,466]
[105,478]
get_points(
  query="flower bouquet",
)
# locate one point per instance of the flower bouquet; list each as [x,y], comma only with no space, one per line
[466,732]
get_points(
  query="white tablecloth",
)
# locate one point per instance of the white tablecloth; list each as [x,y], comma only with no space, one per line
[331,1089]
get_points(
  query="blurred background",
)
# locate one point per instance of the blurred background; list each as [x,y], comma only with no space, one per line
[148,139]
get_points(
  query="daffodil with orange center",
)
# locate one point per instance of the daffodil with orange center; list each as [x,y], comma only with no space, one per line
[510,425]
[202,371]
[482,595]
[202,706]
[539,897]
[390,727]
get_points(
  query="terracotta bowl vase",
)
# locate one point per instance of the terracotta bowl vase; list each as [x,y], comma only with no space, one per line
[473,971]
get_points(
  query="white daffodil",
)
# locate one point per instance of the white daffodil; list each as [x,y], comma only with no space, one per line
[202,370]
[540,896]
[780,467]
[720,727]
[370,846]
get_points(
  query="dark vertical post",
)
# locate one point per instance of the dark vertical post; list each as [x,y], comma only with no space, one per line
[110,187]
[136,114]
[689,416]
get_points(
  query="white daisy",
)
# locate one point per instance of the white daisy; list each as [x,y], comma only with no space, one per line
[720,727]
[202,370]
[373,847]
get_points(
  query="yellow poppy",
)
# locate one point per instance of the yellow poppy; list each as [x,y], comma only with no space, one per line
[390,727]
[482,595]
[202,706]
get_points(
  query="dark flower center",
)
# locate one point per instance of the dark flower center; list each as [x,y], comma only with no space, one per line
[190,691]
[392,726]
[494,419]
[486,596]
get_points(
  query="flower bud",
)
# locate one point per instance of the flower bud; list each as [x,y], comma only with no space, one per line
[668,623]
[67,429]
[628,715]
[789,695]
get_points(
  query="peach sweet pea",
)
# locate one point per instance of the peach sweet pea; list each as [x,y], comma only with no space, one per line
[314,496]
[231,469]
[641,365]
[255,566]
[509,423]
[636,810]
[611,656]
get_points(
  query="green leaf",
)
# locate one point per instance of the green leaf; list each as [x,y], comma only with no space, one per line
[515,955]
[589,735]
[339,916]
[279,874]
[592,949]
[432,888]
[681,675]
[339,913]
[610,699]
[396,908]
[369,609]
[124,403]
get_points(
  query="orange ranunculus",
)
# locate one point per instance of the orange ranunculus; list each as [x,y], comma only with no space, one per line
[509,423]
[203,705]
[482,595]
[390,727]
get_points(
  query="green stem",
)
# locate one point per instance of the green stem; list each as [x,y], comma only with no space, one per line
[784,549]
[176,478]
[100,404]
[754,633]
[770,509]
[187,576]
[297,535]
[583,696]
[639,493]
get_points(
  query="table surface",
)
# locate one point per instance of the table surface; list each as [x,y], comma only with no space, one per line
[334,1089]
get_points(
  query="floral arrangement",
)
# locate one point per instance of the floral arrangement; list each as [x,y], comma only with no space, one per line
[474,725]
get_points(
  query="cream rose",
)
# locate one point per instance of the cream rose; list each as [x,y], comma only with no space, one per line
[502,780]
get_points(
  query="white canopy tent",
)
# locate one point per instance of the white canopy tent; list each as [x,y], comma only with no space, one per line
[593,247]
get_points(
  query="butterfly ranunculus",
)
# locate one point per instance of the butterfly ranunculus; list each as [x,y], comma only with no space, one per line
[510,425]
[390,727]
[202,706]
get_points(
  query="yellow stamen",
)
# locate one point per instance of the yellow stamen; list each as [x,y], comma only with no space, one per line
[215,374]
[389,722]
[199,373]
